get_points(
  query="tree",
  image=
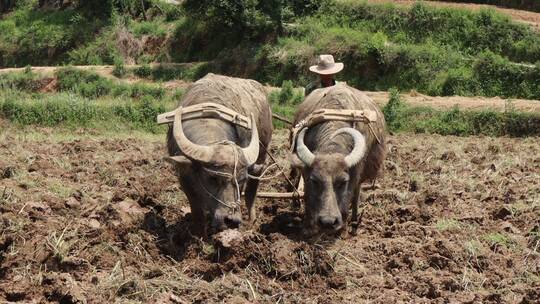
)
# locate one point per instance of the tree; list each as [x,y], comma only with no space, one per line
[249,17]
[6,5]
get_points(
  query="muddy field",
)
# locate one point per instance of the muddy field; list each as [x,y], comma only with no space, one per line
[99,220]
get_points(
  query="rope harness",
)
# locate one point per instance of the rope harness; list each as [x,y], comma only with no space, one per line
[235,205]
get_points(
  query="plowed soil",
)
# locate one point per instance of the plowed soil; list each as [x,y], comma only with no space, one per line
[96,219]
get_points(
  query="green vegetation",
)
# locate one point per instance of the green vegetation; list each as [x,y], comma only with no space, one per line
[119,68]
[73,111]
[402,117]
[284,101]
[495,240]
[447,224]
[21,103]
[473,248]
[26,81]
[91,85]
[30,35]
[532,5]
[436,51]
[166,72]
[85,99]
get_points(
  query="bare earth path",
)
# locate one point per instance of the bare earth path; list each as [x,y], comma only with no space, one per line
[466,103]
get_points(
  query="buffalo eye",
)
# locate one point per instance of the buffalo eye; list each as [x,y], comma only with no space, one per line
[340,184]
[213,180]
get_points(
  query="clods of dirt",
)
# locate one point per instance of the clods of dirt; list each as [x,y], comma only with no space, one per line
[104,220]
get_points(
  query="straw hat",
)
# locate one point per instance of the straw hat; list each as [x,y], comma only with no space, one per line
[326,65]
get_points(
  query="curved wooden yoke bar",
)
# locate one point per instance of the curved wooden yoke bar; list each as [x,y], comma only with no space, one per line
[322,115]
[206,110]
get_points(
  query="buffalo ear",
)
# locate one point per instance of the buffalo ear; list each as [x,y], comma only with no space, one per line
[179,160]
[296,162]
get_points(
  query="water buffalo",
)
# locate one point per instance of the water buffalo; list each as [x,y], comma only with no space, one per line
[213,157]
[334,158]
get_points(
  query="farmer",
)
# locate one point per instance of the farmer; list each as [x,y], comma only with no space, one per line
[326,68]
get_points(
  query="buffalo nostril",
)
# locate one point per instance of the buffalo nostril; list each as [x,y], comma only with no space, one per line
[233,221]
[329,222]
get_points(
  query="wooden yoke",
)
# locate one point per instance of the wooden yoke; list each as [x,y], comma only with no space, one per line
[206,110]
[323,115]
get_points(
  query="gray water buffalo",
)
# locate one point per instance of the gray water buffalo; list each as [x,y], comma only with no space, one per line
[213,157]
[334,158]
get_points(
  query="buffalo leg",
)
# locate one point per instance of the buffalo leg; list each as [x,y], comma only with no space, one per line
[251,193]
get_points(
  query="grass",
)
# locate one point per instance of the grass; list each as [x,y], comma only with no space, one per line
[7,196]
[42,37]
[284,101]
[166,72]
[91,85]
[496,239]
[85,99]
[402,117]
[473,248]
[447,224]
[88,100]
[437,51]
[531,5]
[58,188]
[72,111]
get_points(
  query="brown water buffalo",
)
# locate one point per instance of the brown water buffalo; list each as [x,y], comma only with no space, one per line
[213,157]
[334,158]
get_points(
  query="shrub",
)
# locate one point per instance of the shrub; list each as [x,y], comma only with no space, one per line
[460,81]
[142,114]
[251,18]
[392,110]
[287,95]
[144,71]
[39,37]
[119,68]
[85,83]
[152,28]
[165,72]
[140,89]
[25,81]
[435,51]
[402,117]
